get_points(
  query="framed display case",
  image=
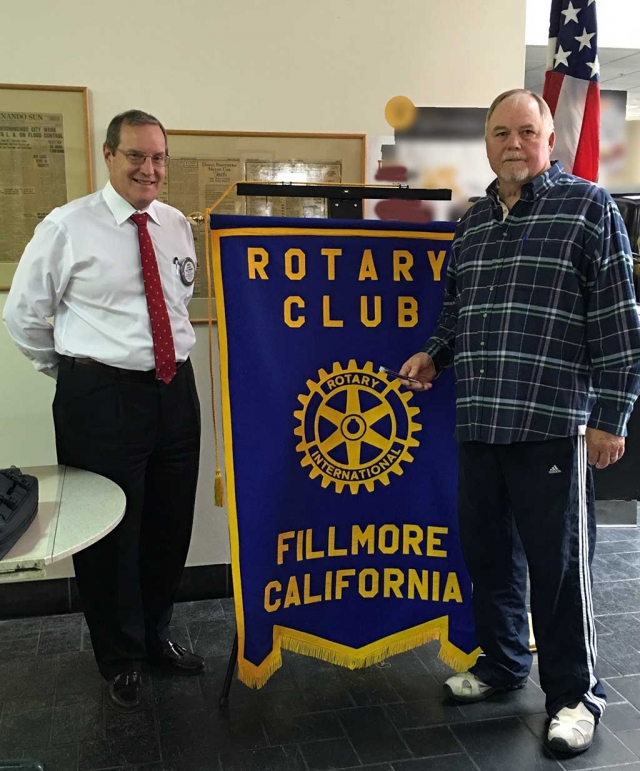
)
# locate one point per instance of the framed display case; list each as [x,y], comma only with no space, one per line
[45,161]
[204,164]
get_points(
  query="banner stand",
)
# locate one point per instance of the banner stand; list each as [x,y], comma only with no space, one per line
[343,202]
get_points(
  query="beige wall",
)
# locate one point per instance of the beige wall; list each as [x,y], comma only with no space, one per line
[248,65]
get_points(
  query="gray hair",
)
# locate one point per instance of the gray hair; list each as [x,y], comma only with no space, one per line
[545,112]
[130,118]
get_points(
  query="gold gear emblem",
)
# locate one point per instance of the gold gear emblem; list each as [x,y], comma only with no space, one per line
[356,427]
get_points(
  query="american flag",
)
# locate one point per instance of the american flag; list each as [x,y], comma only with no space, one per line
[572,85]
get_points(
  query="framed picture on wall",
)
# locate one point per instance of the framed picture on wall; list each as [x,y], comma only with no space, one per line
[204,164]
[45,161]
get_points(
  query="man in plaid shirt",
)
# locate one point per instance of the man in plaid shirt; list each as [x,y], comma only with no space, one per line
[541,324]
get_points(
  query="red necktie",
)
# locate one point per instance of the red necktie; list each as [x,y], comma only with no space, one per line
[163,349]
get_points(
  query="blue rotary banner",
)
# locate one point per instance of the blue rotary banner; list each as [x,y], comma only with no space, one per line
[341,483]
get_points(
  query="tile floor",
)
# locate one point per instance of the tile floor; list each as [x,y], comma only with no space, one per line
[311,716]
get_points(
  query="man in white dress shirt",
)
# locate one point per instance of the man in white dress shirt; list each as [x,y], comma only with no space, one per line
[115,270]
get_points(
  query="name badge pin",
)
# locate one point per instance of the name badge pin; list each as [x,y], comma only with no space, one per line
[186,270]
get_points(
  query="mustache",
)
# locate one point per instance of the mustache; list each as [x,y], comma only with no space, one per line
[513,157]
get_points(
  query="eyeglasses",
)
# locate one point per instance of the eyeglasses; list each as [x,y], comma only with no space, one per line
[137,158]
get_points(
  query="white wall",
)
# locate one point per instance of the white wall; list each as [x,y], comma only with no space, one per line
[618,23]
[247,65]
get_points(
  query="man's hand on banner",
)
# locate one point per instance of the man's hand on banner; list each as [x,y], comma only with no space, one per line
[603,448]
[420,367]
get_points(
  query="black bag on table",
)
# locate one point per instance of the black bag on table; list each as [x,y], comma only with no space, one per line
[18,506]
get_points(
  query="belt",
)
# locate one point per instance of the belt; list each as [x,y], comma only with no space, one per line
[129,375]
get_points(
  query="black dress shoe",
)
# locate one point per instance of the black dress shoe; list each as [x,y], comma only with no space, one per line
[176,659]
[125,691]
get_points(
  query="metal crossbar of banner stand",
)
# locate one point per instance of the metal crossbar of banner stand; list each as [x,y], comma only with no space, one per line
[344,202]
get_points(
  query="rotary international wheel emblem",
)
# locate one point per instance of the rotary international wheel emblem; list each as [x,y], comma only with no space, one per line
[355,427]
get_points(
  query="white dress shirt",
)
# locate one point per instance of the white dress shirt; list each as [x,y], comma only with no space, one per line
[82,267]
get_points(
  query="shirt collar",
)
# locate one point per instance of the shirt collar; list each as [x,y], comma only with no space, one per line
[122,210]
[534,189]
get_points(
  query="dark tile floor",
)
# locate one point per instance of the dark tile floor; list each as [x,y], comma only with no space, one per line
[311,716]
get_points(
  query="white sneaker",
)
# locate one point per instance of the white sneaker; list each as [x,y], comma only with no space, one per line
[572,729]
[465,686]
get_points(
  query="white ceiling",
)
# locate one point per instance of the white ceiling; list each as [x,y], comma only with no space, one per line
[619,71]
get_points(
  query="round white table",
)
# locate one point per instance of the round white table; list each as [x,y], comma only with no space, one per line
[75,509]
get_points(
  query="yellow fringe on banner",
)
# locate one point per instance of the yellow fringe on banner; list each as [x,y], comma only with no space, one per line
[355,658]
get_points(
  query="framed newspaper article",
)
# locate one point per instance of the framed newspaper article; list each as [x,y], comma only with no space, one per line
[45,161]
[204,164]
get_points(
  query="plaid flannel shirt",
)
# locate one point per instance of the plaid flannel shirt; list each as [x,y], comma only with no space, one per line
[540,317]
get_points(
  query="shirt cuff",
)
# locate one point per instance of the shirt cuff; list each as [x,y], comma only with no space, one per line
[608,419]
[48,366]
[440,355]
[51,372]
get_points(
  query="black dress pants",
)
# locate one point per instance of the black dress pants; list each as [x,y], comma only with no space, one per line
[144,435]
[537,496]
